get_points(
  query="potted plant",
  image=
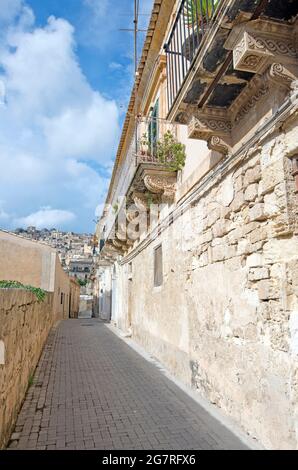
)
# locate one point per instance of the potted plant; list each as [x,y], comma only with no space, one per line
[170,152]
[197,14]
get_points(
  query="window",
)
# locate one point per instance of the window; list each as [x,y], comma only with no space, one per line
[153,129]
[61,298]
[158,271]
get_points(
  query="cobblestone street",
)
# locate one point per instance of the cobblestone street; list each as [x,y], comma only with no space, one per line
[92,391]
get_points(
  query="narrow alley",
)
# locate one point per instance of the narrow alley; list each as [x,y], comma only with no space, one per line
[92,391]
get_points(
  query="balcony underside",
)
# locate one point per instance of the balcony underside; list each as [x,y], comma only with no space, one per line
[249,51]
[153,183]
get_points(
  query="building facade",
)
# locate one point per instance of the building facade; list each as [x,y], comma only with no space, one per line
[199,245]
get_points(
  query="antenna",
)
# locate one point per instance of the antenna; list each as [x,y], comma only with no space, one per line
[136,30]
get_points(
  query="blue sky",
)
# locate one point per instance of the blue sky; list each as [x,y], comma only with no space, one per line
[66,73]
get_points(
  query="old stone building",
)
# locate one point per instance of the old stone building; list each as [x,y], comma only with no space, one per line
[199,242]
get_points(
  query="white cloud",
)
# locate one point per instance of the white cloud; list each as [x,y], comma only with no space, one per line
[9,9]
[99,7]
[115,66]
[54,128]
[46,217]
[3,215]
[88,130]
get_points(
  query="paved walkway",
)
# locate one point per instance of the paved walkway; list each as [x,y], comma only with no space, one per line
[92,391]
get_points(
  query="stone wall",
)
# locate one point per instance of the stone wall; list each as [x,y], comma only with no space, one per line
[37,264]
[27,261]
[24,327]
[225,319]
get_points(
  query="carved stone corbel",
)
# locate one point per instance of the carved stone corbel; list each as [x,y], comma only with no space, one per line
[281,75]
[209,122]
[219,145]
[140,201]
[260,42]
[163,185]
[119,245]
[131,215]
[110,250]
[248,57]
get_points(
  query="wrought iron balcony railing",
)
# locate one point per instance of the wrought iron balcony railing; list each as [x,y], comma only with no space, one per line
[152,133]
[191,24]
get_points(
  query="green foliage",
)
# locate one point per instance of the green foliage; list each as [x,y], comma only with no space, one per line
[82,282]
[201,9]
[39,293]
[30,381]
[170,152]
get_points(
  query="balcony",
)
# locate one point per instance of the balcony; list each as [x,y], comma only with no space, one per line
[148,176]
[157,159]
[226,58]
[192,22]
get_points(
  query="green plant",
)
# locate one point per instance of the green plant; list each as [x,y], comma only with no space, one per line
[170,152]
[30,381]
[199,10]
[82,282]
[39,293]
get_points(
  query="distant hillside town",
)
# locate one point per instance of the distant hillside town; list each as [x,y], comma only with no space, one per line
[76,251]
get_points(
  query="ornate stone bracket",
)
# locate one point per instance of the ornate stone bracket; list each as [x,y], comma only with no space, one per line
[260,42]
[111,250]
[209,121]
[214,126]
[140,201]
[281,75]
[161,184]
[131,215]
[219,145]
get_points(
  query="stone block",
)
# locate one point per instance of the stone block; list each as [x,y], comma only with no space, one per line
[258,235]
[272,175]
[238,202]
[207,236]
[251,192]
[203,260]
[267,290]
[213,217]
[254,260]
[244,247]
[252,175]
[257,274]
[238,184]
[218,253]
[257,212]
[221,228]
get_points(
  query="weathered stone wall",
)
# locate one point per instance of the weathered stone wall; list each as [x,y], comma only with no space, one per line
[27,261]
[225,319]
[38,264]
[24,327]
